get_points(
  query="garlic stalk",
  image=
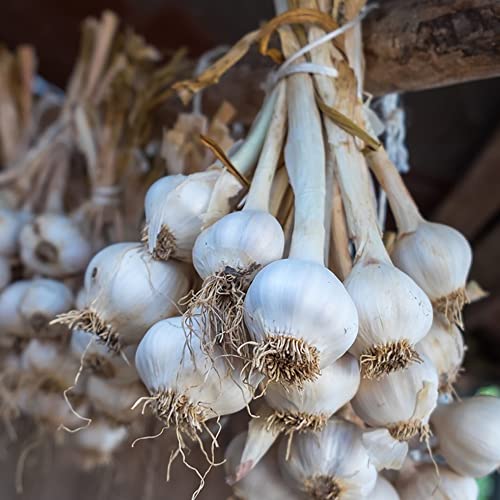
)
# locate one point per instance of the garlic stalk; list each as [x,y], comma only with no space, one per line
[329,464]
[187,387]
[398,406]
[53,245]
[468,433]
[264,481]
[178,207]
[444,346]
[384,490]
[127,291]
[425,484]
[11,320]
[436,256]
[5,272]
[227,254]
[11,224]
[394,313]
[297,312]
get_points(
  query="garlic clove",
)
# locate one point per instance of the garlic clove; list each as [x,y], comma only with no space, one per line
[301,318]
[11,224]
[438,258]
[468,432]
[11,320]
[53,245]
[384,450]
[384,490]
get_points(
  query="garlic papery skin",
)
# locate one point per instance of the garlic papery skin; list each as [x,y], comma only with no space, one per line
[114,401]
[99,360]
[468,433]
[400,403]
[263,481]
[436,256]
[5,272]
[329,464]
[426,484]
[11,224]
[444,346]
[11,321]
[127,291]
[187,387]
[301,318]
[394,314]
[310,408]
[42,302]
[53,245]
[384,490]
[99,441]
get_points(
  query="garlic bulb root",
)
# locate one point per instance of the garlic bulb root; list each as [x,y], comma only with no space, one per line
[406,430]
[217,311]
[287,360]
[451,306]
[321,487]
[381,359]
[165,242]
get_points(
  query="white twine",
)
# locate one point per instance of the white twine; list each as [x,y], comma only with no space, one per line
[106,196]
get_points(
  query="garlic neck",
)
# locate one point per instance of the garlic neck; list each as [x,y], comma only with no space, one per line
[402,204]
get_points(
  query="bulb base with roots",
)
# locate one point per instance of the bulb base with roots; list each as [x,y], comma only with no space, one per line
[406,430]
[165,244]
[322,487]
[451,306]
[381,359]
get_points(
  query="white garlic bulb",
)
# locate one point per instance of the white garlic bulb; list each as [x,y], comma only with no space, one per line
[394,314]
[187,387]
[114,401]
[262,482]
[53,245]
[42,302]
[468,433]
[384,490]
[127,291]
[332,463]
[11,223]
[444,346]
[301,318]
[311,407]
[425,484]
[5,272]
[11,321]
[98,359]
[400,404]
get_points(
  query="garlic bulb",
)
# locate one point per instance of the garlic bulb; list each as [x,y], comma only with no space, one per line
[301,318]
[178,207]
[53,245]
[42,302]
[444,346]
[264,481]
[187,388]
[98,359]
[425,484]
[127,291]
[400,404]
[468,432]
[310,408]
[11,321]
[329,464]
[114,401]
[436,256]
[5,272]
[384,490]
[11,223]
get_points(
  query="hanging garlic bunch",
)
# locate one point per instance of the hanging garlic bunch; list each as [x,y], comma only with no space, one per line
[425,484]
[99,360]
[187,388]
[264,481]
[228,254]
[11,224]
[444,346]
[53,245]
[178,207]
[329,464]
[399,405]
[384,490]
[468,434]
[436,256]
[297,312]
[127,291]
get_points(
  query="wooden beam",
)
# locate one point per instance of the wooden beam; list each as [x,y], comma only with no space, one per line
[419,44]
[475,199]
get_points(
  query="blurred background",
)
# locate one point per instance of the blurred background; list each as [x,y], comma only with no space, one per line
[453,136]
